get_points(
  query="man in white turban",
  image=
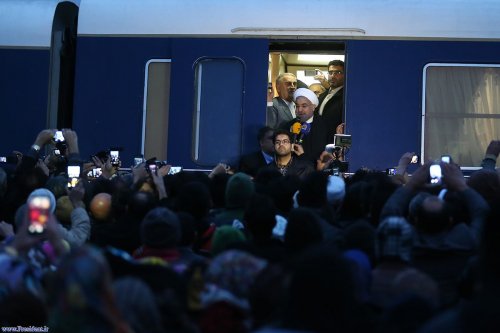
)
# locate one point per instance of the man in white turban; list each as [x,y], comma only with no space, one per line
[313,136]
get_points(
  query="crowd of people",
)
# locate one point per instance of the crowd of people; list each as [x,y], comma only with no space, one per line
[264,250]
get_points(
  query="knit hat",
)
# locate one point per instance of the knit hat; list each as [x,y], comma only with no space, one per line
[234,271]
[309,94]
[160,228]
[224,237]
[239,190]
[335,190]
[43,192]
[394,238]
[64,208]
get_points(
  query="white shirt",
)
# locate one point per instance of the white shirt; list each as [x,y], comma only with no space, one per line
[291,107]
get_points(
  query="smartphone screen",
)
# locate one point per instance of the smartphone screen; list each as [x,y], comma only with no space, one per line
[175,169]
[73,175]
[138,160]
[58,137]
[115,157]
[414,159]
[446,159]
[38,214]
[435,173]
[390,171]
[152,168]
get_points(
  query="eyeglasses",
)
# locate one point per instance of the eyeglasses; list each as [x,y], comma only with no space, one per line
[282,142]
[332,73]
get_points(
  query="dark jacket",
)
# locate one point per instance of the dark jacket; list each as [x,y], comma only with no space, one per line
[333,110]
[252,163]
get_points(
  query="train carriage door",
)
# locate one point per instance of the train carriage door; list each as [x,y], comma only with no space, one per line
[219,113]
[156,109]
[62,66]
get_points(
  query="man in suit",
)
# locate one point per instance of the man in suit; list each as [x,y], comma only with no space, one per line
[252,163]
[331,102]
[282,108]
[310,143]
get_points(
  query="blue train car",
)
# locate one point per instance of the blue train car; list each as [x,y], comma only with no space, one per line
[186,81]
[37,50]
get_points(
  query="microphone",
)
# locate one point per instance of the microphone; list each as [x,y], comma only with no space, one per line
[295,129]
[304,130]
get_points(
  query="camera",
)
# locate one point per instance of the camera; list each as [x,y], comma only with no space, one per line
[435,174]
[310,72]
[38,214]
[343,140]
[73,175]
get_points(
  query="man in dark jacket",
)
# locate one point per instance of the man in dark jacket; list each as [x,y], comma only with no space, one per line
[331,102]
[252,163]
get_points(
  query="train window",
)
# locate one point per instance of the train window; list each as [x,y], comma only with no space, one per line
[218,111]
[461,111]
[156,108]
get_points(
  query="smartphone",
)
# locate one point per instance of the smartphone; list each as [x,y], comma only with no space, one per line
[175,169]
[152,167]
[310,72]
[115,157]
[435,174]
[73,175]
[3,159]
[414,159]
[58,137]
[38,214]
[138,160]
[95,173]
[446,159]
[390,171]
[57,152]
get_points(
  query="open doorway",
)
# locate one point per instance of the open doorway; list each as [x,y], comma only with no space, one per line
[304,60]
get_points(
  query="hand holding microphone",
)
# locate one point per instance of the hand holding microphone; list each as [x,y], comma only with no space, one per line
[304,130]
[295,129]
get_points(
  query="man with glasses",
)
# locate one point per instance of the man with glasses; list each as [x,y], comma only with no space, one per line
[285,160]
[331,102]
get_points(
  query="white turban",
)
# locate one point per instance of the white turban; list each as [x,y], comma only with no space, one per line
[309,94]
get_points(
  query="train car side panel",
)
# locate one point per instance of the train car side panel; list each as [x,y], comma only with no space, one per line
[384,93]
[186,52]
[23,96]
[109,91]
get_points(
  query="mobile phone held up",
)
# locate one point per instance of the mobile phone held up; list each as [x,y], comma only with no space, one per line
[115,157]
[58,137]
[38,214]
[446,159]
[435,174]
[73,175]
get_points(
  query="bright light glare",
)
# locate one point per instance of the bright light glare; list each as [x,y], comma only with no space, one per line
[319,58]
